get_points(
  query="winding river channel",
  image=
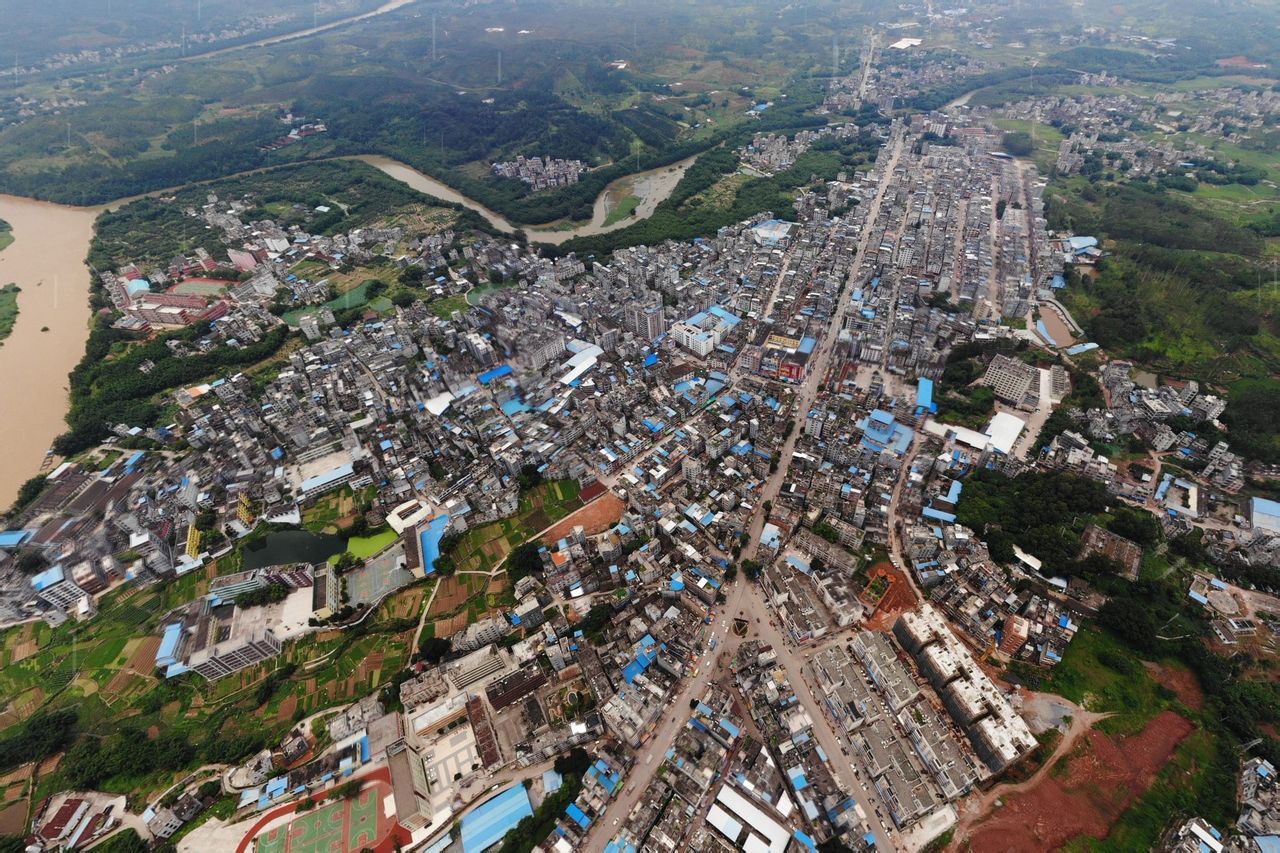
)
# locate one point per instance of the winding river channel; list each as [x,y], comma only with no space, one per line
[47,260]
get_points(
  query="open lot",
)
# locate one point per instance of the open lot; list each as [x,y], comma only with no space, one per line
[1086,794]
[895,600]
[596,517]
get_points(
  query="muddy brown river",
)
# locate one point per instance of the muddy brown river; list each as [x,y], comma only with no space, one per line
[46,259]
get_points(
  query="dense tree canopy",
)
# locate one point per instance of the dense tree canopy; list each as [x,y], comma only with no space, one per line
[1037,511]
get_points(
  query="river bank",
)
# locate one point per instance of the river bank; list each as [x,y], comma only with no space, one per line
[651,187]
[46,259]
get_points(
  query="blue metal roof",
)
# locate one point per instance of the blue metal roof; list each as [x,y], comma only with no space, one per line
[487,824]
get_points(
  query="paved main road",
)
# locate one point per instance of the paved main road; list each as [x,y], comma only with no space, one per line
[745,597]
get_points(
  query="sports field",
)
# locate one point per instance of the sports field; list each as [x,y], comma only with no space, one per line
[351,824]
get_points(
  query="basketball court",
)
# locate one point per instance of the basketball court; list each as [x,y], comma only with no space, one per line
[350,824]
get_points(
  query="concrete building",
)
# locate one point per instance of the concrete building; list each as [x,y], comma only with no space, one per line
[228,639]
[1013,381]
[409,786]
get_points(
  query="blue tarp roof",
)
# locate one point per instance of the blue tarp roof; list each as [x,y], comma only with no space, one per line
[937,514]
[496,373]
[169,645]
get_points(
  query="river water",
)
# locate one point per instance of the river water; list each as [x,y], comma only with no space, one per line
[651,187]
[47,260]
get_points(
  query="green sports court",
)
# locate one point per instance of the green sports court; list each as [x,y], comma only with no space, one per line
[350,824]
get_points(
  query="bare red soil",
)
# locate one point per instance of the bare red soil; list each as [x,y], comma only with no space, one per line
[898,598]
[596,517]
[1181,681]
[1103,777]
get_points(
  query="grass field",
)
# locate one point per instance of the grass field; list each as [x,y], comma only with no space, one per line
[444,308]
[1046,137]
[622,209]
[1102,675]
[476,295]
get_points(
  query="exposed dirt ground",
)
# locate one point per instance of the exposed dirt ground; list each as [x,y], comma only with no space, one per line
[1101,779]
[596,517]
[897,599]
[1181,682]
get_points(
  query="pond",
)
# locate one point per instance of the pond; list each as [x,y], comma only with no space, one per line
[292,546]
